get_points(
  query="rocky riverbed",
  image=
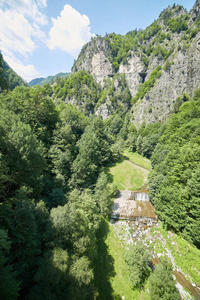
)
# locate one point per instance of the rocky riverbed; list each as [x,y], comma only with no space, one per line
[131,232]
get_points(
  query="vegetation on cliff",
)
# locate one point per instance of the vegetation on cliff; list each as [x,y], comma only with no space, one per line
[82,90]
[8,78]
[174,183]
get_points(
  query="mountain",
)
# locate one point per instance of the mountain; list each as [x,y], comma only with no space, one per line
[159,64]
[36,81]
[49,79]
[9,79]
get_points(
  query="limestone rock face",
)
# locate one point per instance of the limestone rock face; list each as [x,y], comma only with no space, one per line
[94,60]
[196,10]
[104,110]
[101,67]
[183,76]
[131,71]
[180,70]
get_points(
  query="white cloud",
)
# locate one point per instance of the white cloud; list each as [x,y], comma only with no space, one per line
[27,72]
[15,33]
[42,3]
[28,8]
[70,31]
[20,32]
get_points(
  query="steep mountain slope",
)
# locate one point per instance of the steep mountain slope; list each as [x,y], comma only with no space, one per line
[9,79]
[49,79]
[82,90]
[169,47]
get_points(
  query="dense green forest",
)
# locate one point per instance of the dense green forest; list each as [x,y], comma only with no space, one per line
[54,194]
[174,182]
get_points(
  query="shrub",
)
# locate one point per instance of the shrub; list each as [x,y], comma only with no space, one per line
[147,85]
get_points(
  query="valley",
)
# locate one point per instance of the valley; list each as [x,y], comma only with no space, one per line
[100,167]
[123,231]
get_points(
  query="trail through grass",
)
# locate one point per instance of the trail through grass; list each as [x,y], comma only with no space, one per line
[126,175]
[138,159]
[111,275]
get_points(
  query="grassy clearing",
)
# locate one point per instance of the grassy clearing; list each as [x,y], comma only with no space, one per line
[111,275]
[127,176]
[186,256]
[138,159]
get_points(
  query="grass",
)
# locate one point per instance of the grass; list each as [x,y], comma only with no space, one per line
[111,275]
[186,256]
[126,175]
[120,282]
[137,158]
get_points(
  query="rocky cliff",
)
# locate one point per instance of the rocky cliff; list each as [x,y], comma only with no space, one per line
[172,42]
[181,76]
[93,58]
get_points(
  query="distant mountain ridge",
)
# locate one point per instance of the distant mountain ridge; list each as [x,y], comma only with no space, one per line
[49,79]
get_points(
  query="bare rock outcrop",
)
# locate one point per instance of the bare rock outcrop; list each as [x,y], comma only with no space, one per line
[182,76]
[132,70]
[180,70]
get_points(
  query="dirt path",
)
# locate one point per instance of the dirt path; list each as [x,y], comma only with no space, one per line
[148,169]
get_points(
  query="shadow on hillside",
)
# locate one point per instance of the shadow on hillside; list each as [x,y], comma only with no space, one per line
[125,157]
[106,169]
[104,266]
[109,175]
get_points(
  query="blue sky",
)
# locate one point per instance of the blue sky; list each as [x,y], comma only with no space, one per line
[43,37]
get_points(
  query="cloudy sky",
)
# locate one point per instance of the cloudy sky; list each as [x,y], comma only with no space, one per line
[43,37]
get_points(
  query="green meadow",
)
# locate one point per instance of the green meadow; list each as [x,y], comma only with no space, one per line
[130,173]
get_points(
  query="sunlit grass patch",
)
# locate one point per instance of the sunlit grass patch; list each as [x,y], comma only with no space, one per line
[137,158]
[186,256]
[126,175]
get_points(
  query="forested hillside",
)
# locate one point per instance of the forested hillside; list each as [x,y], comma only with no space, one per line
[174,182]
[159,63]
[52,195]
[8,78]
[49,79]
[82,90]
